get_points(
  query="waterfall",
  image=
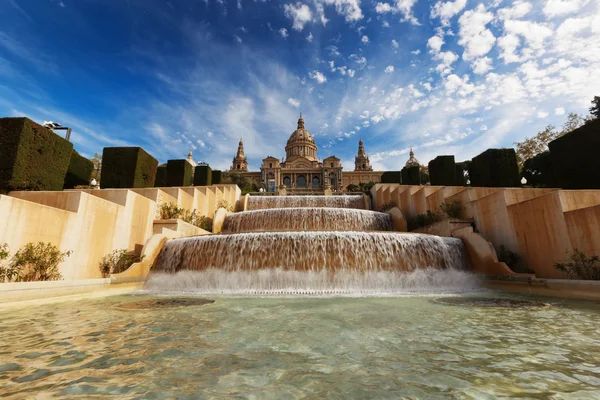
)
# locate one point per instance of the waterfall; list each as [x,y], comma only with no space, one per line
[312,251]
[263,202]
[307,219]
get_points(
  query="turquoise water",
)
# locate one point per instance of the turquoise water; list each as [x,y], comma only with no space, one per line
[310,348]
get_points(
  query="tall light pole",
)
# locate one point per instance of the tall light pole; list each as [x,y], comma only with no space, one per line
[53,126]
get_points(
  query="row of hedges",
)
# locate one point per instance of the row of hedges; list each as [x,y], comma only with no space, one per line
[495,168]
[127,167]
[79,171]
[32,157]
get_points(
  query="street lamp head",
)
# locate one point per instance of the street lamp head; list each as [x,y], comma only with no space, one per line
[93,182]
[523,181]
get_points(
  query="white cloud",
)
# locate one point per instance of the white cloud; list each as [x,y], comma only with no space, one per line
[332,66]
[333,51]
[320,14]
[351,73]
[435,43]
[382,8]
[445,11]
[474,36]
[350,9]
[209,134]
[283,32]
[318,76]
[389,69]
[518,10]
[237,38]
[416,52]
[385,24]
[201,143]
[395,43]
[364,39]
[509,44]
[293,102]
[309,37]
[554,8]
[542,114]
[400,6]
[299,13]
[559,111]
[482,65]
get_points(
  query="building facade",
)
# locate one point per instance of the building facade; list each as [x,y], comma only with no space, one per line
[301,171]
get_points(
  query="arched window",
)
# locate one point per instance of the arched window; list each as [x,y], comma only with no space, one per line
[238,166]
[287,181]
[363,166]
[301,181]
[316,182]
[331,165]
[270,165]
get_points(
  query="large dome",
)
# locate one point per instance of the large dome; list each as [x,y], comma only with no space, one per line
[301,143]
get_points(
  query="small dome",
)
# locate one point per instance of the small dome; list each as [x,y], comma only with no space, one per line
[412,161]
[301,134]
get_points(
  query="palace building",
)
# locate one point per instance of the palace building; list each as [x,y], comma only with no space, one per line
[301,171]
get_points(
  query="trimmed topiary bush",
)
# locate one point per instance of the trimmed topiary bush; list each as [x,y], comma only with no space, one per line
[179,173]
[462,168]
[161,176]
[411,176]
[203,176]
[32,157]
[442,171]
[217,177]
[391,177]
[539,171]
[79,172]
[495,168]
[127,167]
[574,157]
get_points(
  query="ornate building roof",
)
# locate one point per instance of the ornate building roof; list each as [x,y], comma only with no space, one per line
[361,161]
[240,162]
[190,158]
[301,143]
[412,161]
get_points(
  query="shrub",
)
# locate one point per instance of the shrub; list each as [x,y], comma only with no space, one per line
[508,257]
[453,209]
[581,266]
[462,173]
[391,177]
[387,206]
[38,262]
[127,167]
[118,261]
[7,271]
[203,176]
[225,204]
[217,177]
[179,173]
[161,176]
[411,176]
[422,220]
[574,157]
[171,211]
[442,171]
[32,157]
[79,171]
[495,168]
[538,170]
[353,188]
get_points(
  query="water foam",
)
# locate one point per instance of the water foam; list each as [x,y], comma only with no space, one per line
[264,202]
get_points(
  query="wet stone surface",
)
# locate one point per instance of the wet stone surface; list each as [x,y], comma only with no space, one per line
[489,302]
[159,304]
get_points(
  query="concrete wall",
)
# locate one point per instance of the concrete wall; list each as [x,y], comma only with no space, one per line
[539,224]
[92,223]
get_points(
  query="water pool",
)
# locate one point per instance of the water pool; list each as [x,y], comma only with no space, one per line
[312,348]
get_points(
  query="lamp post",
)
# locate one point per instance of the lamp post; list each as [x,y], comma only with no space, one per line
[55,126]
[523,181]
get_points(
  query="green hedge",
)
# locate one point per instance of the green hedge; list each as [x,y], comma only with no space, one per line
[411,176]
[79,172]
[538,171]
[127,167]
[217,177]
[461,168]
[32,157]
[442,171]
[575,157]
[161,176]
[203,176]
[495,168]
[391,177]
[179,173]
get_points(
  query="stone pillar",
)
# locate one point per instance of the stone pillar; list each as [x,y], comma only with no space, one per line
[282,191]
[328,191]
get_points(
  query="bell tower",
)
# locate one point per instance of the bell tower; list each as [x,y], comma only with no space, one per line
[361,161]
[240,162]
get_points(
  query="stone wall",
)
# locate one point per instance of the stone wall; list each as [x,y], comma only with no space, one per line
[92,223]
[541,225]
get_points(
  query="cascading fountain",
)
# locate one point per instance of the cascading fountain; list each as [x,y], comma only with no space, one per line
[308,245]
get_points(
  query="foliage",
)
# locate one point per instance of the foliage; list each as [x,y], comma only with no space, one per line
[97,162]
[538,170]
[179,173]
[581,266]
[422,220]
[79,172]
[508,257]
[453,209]
[240,179]
[161,176]
[172,211]
[38,262]
[595,108]
[217,177]
[353,188]
[7,271]
[537,144]
[118,261]
[495,168]
[387,206]
[203,176]
[225,204]
[443,171]
[462,173]
[574,158]
[411,176]
[391,177]
[32,157]
[127,167]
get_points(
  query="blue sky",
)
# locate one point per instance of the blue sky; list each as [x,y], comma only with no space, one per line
[453,77]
